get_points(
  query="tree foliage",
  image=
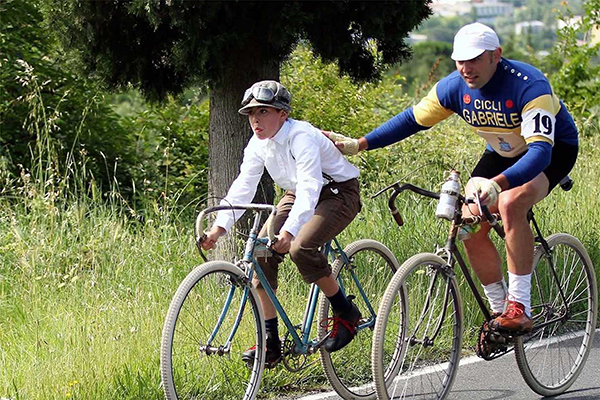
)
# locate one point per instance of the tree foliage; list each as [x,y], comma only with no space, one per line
[165,46]
[574,67]
[430,62]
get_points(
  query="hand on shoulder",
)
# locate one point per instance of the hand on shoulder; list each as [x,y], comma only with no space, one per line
[345,144]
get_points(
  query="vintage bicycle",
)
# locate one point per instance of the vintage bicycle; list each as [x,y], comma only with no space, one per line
[215,315]
[419,328]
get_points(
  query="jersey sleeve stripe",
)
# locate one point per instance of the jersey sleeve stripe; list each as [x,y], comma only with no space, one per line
[429,111]
[538,138]
[546,102]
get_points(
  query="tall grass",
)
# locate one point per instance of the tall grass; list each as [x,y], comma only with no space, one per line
[84,287]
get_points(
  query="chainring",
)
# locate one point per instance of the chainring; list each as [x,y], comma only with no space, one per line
[291,359]
[491,344]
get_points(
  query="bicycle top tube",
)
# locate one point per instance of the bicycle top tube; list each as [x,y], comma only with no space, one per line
[398,187]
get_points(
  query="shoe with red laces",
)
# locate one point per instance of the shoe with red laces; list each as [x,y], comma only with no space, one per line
[514,319]
[343,328]
[272,357]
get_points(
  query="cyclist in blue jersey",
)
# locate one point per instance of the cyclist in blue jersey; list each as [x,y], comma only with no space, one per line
[532,143]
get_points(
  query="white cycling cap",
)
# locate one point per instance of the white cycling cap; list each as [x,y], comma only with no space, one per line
[472,40]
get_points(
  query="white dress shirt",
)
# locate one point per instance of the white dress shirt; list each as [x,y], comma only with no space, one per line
[296,158]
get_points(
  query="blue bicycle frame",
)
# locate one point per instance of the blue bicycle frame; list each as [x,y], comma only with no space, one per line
[250,266]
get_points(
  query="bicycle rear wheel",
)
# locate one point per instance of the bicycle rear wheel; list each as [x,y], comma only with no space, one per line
[192,365]
[418,334]
[552,357]
[373,265]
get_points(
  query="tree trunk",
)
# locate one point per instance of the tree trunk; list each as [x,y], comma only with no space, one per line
[229,133]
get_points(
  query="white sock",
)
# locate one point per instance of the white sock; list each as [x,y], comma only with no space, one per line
[496,294]
[519,289]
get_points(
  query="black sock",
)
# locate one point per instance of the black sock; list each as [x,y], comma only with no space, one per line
[271,328]
[339,303]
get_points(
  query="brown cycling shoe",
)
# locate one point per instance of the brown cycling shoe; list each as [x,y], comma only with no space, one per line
[487,345]
[513,319]
[343,328]
[272,357]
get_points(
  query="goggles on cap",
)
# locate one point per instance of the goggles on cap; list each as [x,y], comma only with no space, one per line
[260,93]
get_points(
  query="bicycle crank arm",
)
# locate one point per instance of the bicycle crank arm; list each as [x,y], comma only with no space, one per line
[313,349]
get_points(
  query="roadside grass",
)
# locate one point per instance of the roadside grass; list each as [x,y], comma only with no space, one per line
[84,286]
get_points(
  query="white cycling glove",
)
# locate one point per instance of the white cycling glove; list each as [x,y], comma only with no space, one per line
[349,145]
[488,190]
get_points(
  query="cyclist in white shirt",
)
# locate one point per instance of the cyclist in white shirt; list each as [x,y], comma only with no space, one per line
[322,197]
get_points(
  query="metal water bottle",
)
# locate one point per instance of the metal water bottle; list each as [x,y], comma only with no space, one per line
[448,196]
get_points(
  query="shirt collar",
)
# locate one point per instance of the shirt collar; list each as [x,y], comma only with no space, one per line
[283,133]
[496,78]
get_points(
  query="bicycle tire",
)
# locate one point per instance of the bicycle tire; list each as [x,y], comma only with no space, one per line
[374,265]
[565,344]
[403,368]
[189,373]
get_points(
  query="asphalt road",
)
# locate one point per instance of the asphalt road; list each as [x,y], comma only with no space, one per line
[500,379]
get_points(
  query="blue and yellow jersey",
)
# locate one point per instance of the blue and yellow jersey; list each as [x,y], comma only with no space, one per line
[516,108]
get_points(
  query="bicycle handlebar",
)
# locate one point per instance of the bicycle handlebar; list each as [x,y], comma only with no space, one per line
[491,218]
[198,228]
[399,187]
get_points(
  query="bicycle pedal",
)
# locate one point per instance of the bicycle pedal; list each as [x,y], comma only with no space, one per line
[491,344]
[497,338]
[510,335]
[268,364]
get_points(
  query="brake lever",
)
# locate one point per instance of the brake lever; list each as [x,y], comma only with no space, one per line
[483,210]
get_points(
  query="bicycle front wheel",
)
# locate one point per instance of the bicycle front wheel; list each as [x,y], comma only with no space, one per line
[371,267]
[213,317]
[553,355]
[418,334]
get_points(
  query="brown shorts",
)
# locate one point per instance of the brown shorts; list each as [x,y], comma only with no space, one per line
[337,206]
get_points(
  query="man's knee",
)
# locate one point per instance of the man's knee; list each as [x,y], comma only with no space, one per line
[473,243]
[300,254]
[311,263]
[515,205]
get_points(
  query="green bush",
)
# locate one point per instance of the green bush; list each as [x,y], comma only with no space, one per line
[55,124]
[574,67]
[67,134]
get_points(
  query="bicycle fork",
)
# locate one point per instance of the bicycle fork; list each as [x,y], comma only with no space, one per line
[225,349]
[430,341]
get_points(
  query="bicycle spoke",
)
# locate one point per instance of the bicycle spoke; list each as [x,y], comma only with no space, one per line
[432,346]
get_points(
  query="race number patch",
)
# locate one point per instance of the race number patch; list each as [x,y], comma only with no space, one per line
[538,124]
